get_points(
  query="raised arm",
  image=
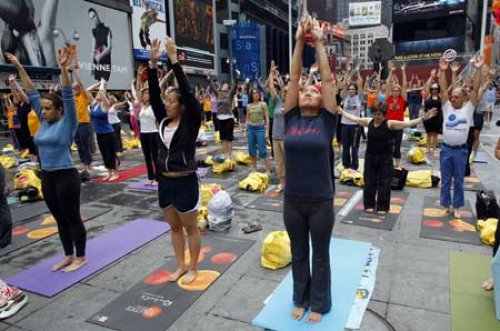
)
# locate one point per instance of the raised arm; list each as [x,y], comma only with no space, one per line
[358,120]
[105,103]
[390,83]
[153,83]
[272,88]
[25,79]
[455,66]
[328,91]
[401,125]
[165,80]
[443,82]
[292,97]
[212,86]
[477,81]
[404,86]
[427,86]
[14,87]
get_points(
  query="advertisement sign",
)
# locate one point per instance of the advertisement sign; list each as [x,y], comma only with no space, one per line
[99,33]
[192,26]
[245,38]
[409,10]
[427,49]
[148,23]
[365,13]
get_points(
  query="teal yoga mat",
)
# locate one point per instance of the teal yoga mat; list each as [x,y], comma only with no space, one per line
[347,258]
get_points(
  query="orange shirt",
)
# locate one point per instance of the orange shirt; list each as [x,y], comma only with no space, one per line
[82,107]
[33,123]
[372,97]
[11,113]
[207,105]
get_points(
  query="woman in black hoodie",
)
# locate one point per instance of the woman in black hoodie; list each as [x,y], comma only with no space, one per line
[178,184]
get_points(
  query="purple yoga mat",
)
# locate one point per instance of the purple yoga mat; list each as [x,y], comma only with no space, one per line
[143,186]
[101,251]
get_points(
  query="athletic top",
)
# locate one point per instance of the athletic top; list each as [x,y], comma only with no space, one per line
[33,123]
[82,107]
[54,139]
[396,108]
[224,111]
[379,139]
[113,115]
[370,100]
[168,134]
[456,123]
[279,119]
[100,121]
[147,120]
[352,105]
[307,148]
[256,114]
[414,97]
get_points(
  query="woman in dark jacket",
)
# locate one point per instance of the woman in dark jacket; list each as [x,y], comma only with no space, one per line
[178,183]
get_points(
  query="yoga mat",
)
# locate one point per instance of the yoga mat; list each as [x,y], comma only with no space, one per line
[472,183]
[27,210]
[12,201]
[133,200]
[92,192]
[43,226]
[435,225]
[126,174]
[357,215]
[226,183]
[155,303]
[101,251]
[481,157]
[471,308]
[347,259]
[143,186]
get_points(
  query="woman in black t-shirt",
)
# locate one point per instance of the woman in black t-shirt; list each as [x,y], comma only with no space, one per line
[378,157]
[434,126]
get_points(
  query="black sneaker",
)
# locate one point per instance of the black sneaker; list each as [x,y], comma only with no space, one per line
[85,176]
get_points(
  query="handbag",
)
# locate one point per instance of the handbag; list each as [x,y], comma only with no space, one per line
[399,177]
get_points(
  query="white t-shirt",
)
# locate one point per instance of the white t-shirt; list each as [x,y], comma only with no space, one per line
[456,123]
[352,105]
[168,134]
[113,116]
[148,120]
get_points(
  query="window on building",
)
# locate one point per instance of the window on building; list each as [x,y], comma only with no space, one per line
[224,66]
[235,15]
[224,41]
[363,36]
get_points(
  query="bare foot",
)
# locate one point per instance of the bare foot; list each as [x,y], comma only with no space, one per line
[152,182]
[314,317]
[488,285]
[105,179]
[382,212]
[177,274]
[114,177]
[61,264]
[456,213]
[369,210]
[297,313]
[446,211]
[190,277]
[77,264]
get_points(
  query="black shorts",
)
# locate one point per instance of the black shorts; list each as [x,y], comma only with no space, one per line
[183,193]
[226,128]
[478,121]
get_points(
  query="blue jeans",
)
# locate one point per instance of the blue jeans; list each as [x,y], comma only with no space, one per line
[83,139]
[350,146]
[452,162]
[256,138]
[414,109]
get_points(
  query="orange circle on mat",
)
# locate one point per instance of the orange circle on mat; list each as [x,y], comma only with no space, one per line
[202,282]
[360,206]
[157,277]
[19,230]
[433,223]
[465,214]
[201,257]
[395,209]
[151,312]
[42,233]
[433,212]
[272,194]
[398,201]
[49,220]
[339,202]
[224,258]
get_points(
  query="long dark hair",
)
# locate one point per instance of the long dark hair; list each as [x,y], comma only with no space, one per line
[56,99]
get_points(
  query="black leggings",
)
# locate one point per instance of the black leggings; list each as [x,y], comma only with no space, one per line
[106,143]
[61,191]
[378,177]
[149,145]
[397,136]
[118,137]
[303,217]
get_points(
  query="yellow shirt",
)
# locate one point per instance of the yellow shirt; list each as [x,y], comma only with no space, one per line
[82,107]
[207,105]
[33,123]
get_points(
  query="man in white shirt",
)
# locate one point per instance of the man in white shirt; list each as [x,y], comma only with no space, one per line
[457,118]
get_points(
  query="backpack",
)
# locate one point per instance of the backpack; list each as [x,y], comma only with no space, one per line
[487,205]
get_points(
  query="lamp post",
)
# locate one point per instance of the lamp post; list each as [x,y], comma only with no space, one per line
[229,24]
[56,32]
[232,62]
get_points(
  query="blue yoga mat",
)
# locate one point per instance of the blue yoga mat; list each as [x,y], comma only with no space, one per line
[347,258]
[101,252]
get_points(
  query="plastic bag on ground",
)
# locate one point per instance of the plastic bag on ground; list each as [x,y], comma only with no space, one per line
[220,212]
[276,252]
[255,181]
[487,229]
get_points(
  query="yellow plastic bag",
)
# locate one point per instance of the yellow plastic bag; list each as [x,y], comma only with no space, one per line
[208,191]
[227,165]
[202,218]
[487,230]
[8,148]
[276,252]
[209,160]
[217,137]
[131,143]
[25,154]
[243,158]
[335,143]
[352,177]
[422,141]
[416,155]
[419,178]
[7,161]
[255,181]
[28,177]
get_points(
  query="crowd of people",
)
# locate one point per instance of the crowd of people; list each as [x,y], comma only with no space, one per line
[296,115]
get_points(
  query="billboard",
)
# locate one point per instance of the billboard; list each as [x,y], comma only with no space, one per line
[409,10]
[245,37]
[365,13]
[192,26]
[325,10]
[427,49]
[148,23]
[100,34]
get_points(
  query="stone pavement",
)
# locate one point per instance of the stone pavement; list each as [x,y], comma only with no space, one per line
[412,289]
